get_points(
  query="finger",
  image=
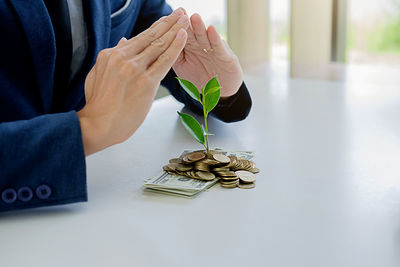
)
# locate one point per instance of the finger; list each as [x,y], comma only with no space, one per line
[122,41]
[199,30]
[138,43]
[189,30]
[215,39]
[105,54]
[163,64]
[191,38]
[184,11]
[158,46]
[217,44]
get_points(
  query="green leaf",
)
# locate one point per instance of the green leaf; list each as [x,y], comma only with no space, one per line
[193,127]
[213,90]
[211,100]
[206,132]
[212,86]
[211,94]
[190,88]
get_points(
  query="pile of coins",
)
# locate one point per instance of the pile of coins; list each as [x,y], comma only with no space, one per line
[231,171]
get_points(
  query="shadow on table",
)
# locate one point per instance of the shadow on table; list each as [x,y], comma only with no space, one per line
[45,212]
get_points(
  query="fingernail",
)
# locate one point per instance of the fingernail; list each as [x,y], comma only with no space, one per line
[177,12]
[183,19]
[180,34]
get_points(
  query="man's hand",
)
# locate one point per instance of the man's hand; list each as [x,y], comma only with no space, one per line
[206,55]
[121,86]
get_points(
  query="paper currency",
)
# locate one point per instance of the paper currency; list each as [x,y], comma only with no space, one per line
[178,184]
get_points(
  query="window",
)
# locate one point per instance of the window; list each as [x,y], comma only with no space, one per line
[373,40]
[212,12]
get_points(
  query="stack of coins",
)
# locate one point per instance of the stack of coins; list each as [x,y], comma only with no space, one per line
[231,171]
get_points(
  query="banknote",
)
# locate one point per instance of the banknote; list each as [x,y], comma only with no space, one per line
[177,184]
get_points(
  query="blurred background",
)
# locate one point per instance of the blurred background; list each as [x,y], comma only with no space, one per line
[346,40]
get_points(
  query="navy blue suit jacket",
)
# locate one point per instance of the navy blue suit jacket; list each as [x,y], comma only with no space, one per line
[42,161]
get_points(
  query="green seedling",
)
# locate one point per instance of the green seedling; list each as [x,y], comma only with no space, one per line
[208,99]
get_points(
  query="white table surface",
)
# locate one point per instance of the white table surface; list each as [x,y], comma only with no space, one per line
[328,193]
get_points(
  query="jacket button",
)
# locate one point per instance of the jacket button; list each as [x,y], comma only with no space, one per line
[9,196]
[43,191]
[25,194]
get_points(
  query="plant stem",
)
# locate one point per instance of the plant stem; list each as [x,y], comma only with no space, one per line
[205,126]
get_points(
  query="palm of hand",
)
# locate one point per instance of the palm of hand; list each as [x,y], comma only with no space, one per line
[198,66]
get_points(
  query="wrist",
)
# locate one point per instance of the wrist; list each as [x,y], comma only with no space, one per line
[227,96]
[92,136]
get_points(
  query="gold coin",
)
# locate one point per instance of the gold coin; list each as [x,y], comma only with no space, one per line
[246,186]
[205,175]
[227,174]
[232,158]
[211,153]
[183,155]
[196,151]
[242,164]
[250,165]
[234,163]
[175,160]
[196,156]
[172,166]
[182,167]
[200,166]
[193,157]
[210,162]
[254,170]
[222,169]
[189,174]
[166,168]
[180,173]
[245,164]
[229,179]
[229,185]
[246,176]
[223,181]
[186,160]
[222,158]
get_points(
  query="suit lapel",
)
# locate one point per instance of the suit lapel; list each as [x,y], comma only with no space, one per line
[39,31]
[97,15]
[40,36]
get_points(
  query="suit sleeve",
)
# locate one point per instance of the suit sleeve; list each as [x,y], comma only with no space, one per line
[231,109]
[42,162]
